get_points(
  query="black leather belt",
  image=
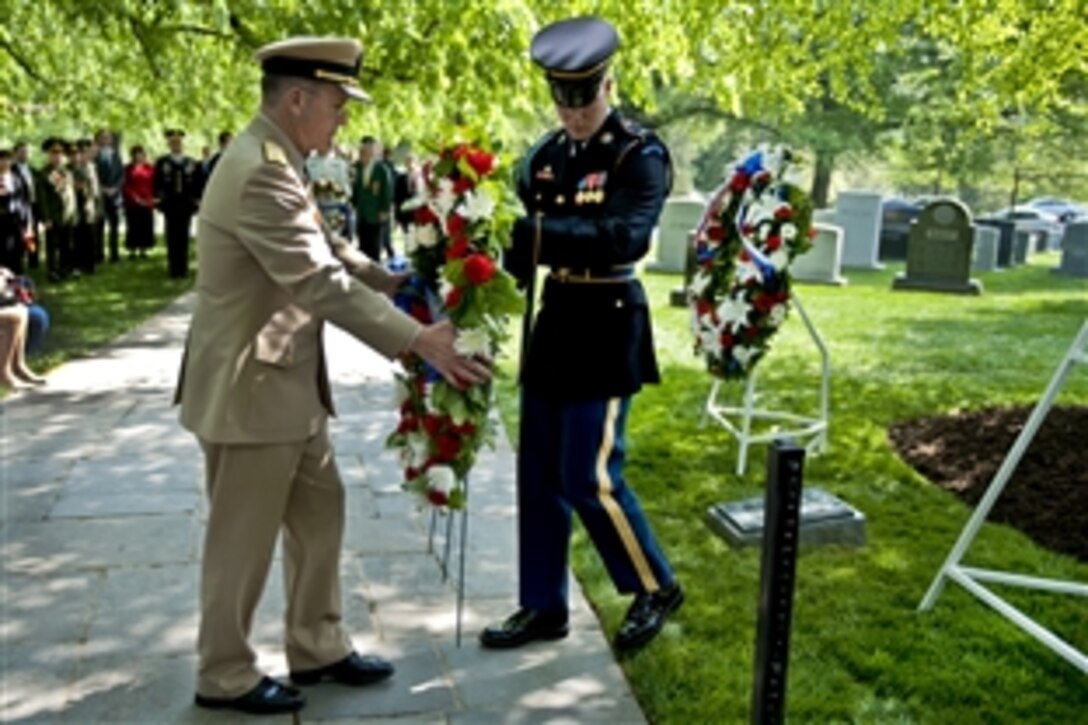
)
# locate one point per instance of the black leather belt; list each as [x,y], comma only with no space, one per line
[613,274]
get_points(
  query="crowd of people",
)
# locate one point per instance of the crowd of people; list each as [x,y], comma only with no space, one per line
[81,197]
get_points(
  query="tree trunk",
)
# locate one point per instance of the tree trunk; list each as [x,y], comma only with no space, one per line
[821,180]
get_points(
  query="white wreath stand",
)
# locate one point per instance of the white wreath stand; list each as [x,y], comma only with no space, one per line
[812,432]
[969,578]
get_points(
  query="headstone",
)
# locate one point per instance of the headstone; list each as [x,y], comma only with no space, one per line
[678,297]
[985,249]
[825,519]
[680,215]
[1021,246]
[822,263]
[1054,241]
[1074,250]
[827,216]
[858,213]
[939,251]
[1005,232]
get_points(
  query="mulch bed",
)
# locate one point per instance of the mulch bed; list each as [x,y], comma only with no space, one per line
[1047,497]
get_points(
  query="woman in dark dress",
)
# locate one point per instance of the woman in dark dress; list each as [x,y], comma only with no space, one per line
[139,195]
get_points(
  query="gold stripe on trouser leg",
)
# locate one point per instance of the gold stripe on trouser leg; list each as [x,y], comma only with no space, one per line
[604,493]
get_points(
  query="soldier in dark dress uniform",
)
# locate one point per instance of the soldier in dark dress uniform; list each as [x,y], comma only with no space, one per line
[57,205]
[594,190]
[177,195]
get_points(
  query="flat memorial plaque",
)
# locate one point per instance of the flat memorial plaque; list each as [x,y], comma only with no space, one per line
[825,519]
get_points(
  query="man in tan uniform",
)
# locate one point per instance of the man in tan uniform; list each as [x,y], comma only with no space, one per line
[253,386]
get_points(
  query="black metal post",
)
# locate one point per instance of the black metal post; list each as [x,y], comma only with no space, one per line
[782,518]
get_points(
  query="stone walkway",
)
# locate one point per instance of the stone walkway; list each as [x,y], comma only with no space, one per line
[101,533]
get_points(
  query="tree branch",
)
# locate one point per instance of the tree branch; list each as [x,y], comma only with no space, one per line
[22,62]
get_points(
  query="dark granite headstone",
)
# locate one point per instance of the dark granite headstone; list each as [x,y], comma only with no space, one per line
[940,250]
[1006,230]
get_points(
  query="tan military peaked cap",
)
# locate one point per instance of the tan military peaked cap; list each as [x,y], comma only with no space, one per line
[334,60]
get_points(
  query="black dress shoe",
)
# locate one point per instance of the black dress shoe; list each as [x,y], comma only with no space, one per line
[267,698]
[523,627]
[647,616]
[355,669]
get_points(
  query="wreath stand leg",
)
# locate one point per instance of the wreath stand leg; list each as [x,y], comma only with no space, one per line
[811,431]
[447,546]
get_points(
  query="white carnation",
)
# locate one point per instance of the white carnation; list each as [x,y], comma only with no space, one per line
[478,205]
[744,354]
[780,258]
[789,231]
[711,342]
[700,282]
[778,314]
[419,450]
[441,478]
[473,341]
[747,271]
[444,288]
[443,201]
[426,236]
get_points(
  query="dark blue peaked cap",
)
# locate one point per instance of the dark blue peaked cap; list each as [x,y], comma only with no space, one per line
[575,49]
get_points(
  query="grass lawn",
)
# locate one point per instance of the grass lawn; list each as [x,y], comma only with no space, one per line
[860,650]
[87,313]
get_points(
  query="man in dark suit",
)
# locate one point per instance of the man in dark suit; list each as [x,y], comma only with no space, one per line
[14,214]
[594,190]
[177,196]
[22,167]
[208,166]
[111,176]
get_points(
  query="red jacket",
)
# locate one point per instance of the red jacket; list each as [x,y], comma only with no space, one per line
[139,187]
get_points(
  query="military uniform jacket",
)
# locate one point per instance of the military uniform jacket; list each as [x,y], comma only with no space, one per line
[599,201]
[56,196]
[177,185]
[269,276]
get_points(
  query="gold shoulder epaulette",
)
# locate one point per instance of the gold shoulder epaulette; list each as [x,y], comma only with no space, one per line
[274,153]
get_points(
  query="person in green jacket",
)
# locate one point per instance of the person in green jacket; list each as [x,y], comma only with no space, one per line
[57,204]
[372,197]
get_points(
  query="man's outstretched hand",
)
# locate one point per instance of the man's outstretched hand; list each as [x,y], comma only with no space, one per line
[434,344]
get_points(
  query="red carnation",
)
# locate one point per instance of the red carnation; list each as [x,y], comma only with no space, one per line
[727,340]
[423,216]
[747,230]
[420,312]
[460,151]
[448,447]
[739,182]
[436,497]
[481,162]
[744,256]
[703,307]
[466,428]
[453,299]
[715,233]
[458,249]
[773,242]
[431,424]
[783,213]
[456,224]
[479,269]
[408,424]
[411,473]
[461,185]
[751,333]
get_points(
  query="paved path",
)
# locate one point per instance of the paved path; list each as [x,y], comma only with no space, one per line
[102,522]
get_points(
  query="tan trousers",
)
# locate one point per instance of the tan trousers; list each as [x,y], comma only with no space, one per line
[254,491]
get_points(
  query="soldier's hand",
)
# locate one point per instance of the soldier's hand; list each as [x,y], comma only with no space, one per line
[434,344]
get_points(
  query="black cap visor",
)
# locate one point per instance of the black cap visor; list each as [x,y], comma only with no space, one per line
[575,93]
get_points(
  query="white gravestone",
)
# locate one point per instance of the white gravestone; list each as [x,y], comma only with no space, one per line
[858,213]
[680,215]
[1074,250]
[986,239]
[823,262]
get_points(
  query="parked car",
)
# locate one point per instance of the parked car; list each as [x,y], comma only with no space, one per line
[1065,210]
[1035,221]
[896,217]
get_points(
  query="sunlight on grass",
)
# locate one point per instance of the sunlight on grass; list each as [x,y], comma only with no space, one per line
[861,653]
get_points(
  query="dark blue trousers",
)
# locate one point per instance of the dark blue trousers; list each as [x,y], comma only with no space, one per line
[571,458]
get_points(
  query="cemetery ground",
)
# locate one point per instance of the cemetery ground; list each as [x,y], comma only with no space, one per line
[861,652]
